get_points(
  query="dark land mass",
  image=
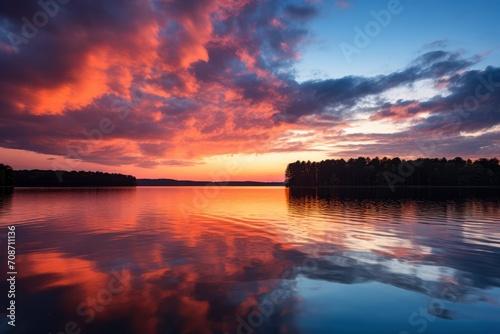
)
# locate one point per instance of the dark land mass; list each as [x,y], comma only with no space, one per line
[394,173]
[186,183]
[361,177]
[49,178]
[6,176]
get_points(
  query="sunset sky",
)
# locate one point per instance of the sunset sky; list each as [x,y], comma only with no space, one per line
[234,90]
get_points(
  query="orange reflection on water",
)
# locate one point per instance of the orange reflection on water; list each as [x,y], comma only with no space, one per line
[198,258]
[68,270]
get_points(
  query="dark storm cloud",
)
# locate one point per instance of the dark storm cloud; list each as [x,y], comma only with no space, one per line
[473,104]
[338,95]
[264,34]
[49,57]
[302,11]
[178,106]
[80,127]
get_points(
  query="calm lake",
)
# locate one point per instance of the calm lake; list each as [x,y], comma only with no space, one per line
[249,260]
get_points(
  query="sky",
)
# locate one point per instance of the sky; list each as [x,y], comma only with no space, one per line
[235,90]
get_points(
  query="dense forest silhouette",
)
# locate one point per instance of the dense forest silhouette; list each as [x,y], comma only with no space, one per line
[50,178]
[394,172]
[6,176]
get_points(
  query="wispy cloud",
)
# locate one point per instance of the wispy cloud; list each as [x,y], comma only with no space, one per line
[202,78]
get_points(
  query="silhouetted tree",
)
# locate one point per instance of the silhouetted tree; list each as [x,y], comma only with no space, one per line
[374,172]
[49,178]
[6,176]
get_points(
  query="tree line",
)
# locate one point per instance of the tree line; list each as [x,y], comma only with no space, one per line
[6,176]
[50,178]
[386,171]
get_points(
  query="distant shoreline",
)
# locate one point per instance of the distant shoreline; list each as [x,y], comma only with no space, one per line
[397,187]
[420,173]
[156,183]
[188,183]
[262,184]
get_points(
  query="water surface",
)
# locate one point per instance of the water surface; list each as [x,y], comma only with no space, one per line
[250,260]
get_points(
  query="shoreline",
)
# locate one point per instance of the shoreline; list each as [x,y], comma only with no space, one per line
[397,187]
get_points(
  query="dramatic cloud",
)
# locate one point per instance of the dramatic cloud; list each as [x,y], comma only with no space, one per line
[340,95]
[168,83]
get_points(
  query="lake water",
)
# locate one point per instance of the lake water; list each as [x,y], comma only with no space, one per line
[249,260]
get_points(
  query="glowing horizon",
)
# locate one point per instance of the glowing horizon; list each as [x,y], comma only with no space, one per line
[195,90]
